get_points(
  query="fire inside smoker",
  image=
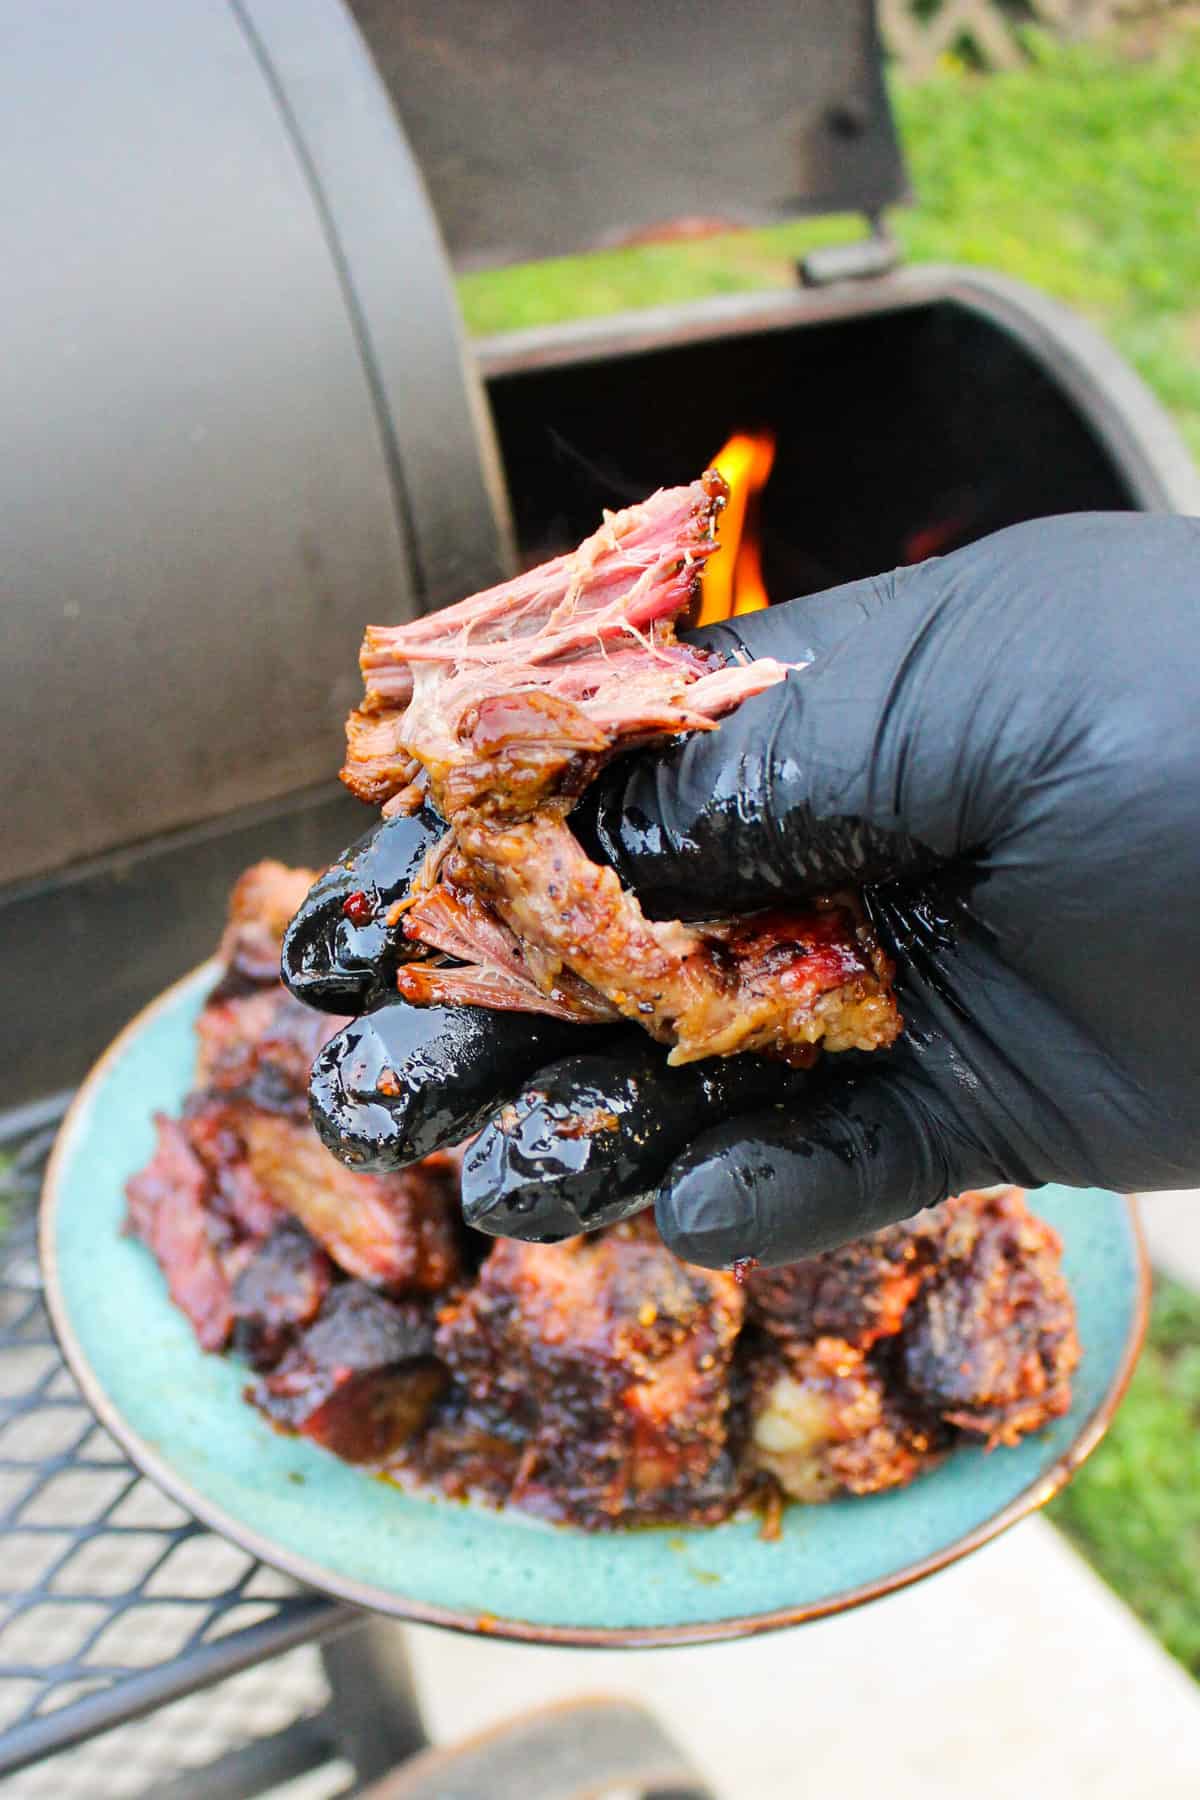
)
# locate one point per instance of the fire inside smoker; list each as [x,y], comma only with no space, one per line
[500,711]
[732,584]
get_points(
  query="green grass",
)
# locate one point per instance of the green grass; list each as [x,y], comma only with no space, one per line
[1134,1508]
[1079,174]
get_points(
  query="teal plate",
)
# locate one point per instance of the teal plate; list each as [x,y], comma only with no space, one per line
[180,1416]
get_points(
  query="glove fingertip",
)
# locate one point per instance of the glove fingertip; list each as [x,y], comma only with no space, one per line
[707,1214]
[849,1163]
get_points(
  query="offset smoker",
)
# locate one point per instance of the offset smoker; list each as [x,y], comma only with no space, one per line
[237,394]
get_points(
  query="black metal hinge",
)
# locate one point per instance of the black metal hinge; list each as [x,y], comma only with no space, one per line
[865,258]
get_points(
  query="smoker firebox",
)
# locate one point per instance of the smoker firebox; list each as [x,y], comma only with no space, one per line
[912,415]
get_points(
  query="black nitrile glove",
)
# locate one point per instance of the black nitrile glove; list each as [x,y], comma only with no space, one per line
[1003,746]
[401,1081]
[340,954]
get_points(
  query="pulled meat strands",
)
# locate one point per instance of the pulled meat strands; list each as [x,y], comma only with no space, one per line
[455,921]
[502,709]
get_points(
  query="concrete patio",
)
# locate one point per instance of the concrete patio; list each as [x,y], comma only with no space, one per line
[1017,1673]
[1172,1226]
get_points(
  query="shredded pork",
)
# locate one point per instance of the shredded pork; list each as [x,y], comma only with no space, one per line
[501,710]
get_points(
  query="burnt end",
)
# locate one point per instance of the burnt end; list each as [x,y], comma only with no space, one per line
[469,1450]
[369,1417]
[400,1232]
[279,1291]
[359,1329]
[606,1362]
[859,1293]
[360,1381]
[827,1420]
[867,1362]
[990,1342]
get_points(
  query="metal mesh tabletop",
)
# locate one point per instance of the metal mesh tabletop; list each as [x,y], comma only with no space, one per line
[112,1600]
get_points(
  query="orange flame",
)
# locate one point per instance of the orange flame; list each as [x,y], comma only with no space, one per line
[733,580]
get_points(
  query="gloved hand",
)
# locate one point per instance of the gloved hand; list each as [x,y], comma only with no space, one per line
[1003,748]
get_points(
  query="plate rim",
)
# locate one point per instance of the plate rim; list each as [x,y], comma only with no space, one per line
[370,1598]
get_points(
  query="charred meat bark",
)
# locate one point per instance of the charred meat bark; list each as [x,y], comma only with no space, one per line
[607,1361]
[359,1381]
[990,1341]
[500,710]
[259,1046]
[399,1231]
[859,1293]
[280,1290]
[885,1351]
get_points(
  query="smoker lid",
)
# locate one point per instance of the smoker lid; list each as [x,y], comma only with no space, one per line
[544,130]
